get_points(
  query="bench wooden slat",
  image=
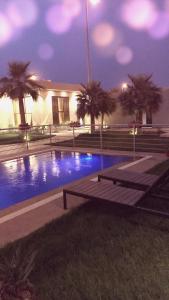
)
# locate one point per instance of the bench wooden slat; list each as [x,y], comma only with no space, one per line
[105,191]
[130,177]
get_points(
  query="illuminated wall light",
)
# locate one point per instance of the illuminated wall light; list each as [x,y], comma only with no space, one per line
[50,94]
[22,13]
[124,55]
[103,34]
[139,14]
[34,77]
[64,94]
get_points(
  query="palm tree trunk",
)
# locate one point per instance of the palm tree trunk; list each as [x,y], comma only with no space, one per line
[92,124]
[22,111]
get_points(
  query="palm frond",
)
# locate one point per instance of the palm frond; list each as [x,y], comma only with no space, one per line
[142,95]
[93,100]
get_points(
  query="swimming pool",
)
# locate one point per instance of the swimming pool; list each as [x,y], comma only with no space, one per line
[23,178]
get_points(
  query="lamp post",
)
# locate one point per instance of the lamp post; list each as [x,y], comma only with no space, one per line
[87,39]
[124,86]
[87,42]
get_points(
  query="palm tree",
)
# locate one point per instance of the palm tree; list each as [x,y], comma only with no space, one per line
[19,84]
[94,101]
[107,105]
[141,95]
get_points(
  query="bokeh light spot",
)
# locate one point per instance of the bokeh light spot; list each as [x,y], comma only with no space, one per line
[45,51]
[166,4]
[5,30]
[73,7]
[139,14]
[124,55]
[160,28]
[58,19]
[94,2]
[22,13]
[103,34]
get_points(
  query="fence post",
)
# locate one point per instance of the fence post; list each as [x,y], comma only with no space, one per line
[50,132]
[134,141]
[101,138]
[27,142]
[73,136]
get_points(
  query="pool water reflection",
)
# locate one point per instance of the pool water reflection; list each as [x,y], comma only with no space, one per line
[33,175]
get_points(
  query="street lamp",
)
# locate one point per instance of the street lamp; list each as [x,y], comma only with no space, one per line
[124,86]
[87,39]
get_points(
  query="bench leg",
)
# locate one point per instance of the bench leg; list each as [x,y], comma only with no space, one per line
[99,179]
[64,200]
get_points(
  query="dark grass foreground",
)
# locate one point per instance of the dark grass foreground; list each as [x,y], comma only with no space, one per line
[97,252]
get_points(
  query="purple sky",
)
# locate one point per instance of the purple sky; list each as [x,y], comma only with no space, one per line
[125,37]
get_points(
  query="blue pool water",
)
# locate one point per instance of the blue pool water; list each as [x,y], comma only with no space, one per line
[33,175]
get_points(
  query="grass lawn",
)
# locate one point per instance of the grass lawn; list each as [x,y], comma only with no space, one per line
[97,252]
[17,137]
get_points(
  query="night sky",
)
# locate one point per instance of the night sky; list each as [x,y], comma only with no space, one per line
[126,36]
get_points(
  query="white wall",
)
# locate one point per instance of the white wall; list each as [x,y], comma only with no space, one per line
[6,113]
[162,116]
[42,109]
[73,106]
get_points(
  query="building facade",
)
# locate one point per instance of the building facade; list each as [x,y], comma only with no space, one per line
[159,118]
[57,105]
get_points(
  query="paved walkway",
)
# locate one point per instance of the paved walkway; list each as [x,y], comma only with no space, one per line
[25,218]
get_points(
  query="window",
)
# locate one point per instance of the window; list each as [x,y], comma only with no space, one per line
[60,108]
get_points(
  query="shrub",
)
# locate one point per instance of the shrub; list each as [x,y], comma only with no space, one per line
[14,277]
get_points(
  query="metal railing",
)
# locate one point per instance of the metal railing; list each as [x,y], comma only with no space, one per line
[118,137]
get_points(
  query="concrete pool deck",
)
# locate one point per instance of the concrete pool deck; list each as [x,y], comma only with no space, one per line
[28,216]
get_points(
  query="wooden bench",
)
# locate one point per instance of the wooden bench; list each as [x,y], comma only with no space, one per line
[132,179]
[103,191]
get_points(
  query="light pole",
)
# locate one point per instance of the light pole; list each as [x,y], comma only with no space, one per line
[87,43]
[87,39]
[124,86]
